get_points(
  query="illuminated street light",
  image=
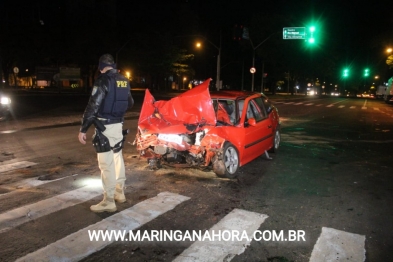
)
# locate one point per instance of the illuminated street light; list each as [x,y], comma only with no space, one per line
[198,45]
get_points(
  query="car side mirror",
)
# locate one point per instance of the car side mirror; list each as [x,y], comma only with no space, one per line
[252,122]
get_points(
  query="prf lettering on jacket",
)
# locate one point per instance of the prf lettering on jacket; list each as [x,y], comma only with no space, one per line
[121,84]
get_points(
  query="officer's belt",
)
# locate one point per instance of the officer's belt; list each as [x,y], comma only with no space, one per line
[111,121]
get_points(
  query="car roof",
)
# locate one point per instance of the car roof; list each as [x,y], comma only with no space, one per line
[232,94]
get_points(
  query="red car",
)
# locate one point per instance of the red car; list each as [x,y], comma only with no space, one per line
[222,130]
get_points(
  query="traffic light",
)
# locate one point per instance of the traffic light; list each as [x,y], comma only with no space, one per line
[346,72]
[311,38]
[237,32]
[366,72]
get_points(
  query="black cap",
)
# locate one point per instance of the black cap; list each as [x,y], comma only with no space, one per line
[106,60]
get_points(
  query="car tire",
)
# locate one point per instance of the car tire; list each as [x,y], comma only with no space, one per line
[276,141]
[229,162]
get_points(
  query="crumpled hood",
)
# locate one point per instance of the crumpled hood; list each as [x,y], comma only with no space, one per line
[186,113]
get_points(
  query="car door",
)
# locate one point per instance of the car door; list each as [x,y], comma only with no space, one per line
[259,135]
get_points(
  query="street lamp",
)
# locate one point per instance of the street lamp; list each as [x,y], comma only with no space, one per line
[198,45]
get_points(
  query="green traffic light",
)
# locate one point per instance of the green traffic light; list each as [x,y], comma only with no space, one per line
[346,73]
[366,72]
[311,39]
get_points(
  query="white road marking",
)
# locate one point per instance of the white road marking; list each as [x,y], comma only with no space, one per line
[288,103]
[365,103]
[352,107]
[309,104]
[78,245]
[319,105]
[329,105]
[341,106]
[337,245]
[238,220]
[376,108]
[300,103]
[30,182]
[20,215]
[17,165]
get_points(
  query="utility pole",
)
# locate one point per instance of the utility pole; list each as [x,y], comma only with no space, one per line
[253,56]
[263,73]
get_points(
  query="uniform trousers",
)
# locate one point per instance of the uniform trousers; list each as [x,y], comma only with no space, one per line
[112,164]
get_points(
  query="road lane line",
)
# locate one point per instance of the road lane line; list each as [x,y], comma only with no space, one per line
[337,245]
[17,165]
[329,105]
[238,220]
[309,104]
[319,105]
[78,245]
[365,104]
[20,215]
[341,106]
[288,103]
[300,103]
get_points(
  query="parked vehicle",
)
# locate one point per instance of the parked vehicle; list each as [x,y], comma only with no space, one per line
[5,107]
[388,96]
[380,91]
[221,130]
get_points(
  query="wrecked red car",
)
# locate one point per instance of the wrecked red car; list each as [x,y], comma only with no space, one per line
[221,130]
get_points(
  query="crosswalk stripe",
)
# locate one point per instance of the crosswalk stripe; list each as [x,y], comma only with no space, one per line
[17,165]
[329,105]
[341,106]
[78,245]
[364,107]
[31,182]
[376,108]
[337,245]
[18,216]
[238,220]
[352,107]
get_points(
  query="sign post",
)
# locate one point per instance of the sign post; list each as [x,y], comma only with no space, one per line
[289,33]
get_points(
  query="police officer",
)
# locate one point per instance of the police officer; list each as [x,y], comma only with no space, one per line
[109,100]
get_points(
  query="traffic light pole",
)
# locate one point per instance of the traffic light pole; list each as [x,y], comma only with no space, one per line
[253,57]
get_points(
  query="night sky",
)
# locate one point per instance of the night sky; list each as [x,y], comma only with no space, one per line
[358,31]
[354,33]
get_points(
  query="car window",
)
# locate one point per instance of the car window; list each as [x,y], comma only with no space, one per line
[254,111]
[224,110]
[260,102]
[238,112]
[266,103]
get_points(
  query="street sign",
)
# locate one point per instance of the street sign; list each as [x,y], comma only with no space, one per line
[294,33]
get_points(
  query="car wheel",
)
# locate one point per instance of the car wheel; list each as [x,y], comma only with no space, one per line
[229,162]
[276,141]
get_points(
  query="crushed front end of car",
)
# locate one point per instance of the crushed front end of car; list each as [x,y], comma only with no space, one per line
[179,131]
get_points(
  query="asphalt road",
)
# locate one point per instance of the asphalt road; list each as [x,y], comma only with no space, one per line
[330,182]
